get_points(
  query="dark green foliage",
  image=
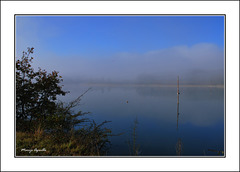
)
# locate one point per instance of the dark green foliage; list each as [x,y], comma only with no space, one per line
[35,92]
[44,122]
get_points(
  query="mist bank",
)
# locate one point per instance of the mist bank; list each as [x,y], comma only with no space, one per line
[200,64]
[146,83]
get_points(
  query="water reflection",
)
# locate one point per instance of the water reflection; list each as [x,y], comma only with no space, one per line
[179,147]
[179,142]
[201,127]
[177,101]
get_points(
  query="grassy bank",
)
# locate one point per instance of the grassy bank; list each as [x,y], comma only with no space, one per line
[90,141]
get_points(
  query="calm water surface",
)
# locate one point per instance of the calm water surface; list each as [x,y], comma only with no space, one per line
[160,131]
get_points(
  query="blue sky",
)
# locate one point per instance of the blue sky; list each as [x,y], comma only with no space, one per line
[125,47]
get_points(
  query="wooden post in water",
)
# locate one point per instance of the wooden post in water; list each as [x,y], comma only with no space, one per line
[179,142]
[178,90]
[177,101]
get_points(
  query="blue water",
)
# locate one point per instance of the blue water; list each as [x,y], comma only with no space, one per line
[199,125]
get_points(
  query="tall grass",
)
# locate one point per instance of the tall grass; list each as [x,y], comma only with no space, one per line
[134,148]
[89,141]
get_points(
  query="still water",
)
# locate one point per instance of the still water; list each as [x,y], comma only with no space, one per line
[197,130]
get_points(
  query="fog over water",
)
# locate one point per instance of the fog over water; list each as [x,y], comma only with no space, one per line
[131,64]
[199,64]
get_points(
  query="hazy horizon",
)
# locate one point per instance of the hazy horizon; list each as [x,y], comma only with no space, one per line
[126,49]
[123,71]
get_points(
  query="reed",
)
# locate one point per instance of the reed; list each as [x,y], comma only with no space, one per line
[134,148]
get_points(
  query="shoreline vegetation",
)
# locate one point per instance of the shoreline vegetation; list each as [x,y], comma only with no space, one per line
[46,126]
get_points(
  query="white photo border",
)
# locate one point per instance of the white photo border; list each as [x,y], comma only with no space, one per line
[11,8]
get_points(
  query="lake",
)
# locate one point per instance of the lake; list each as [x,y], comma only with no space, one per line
[151,112]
